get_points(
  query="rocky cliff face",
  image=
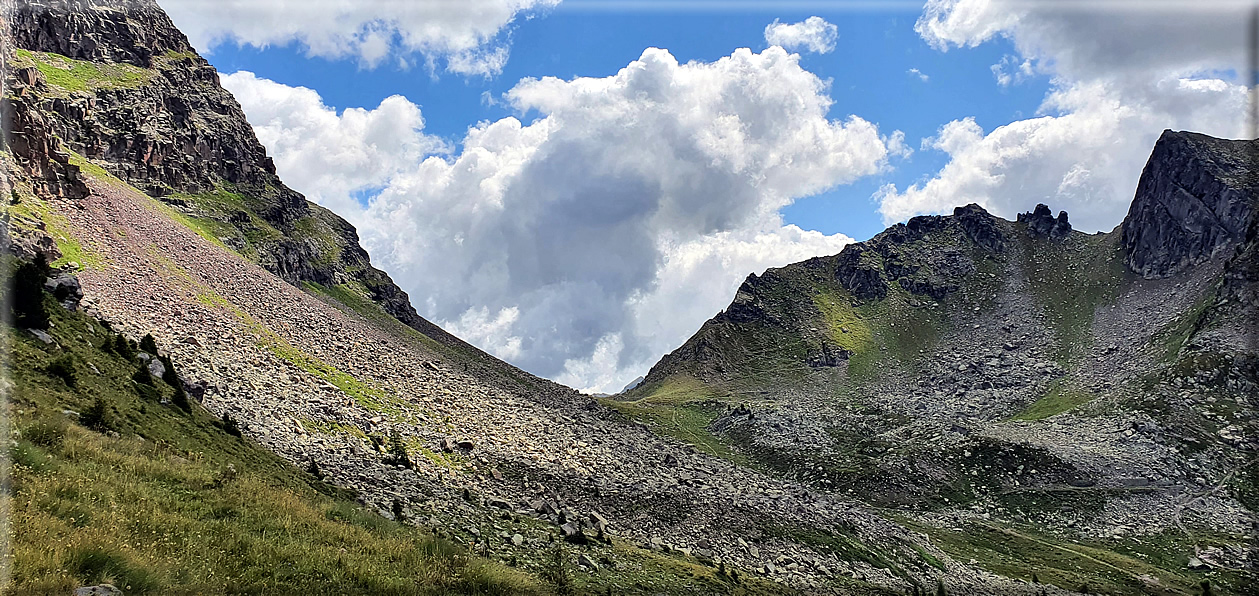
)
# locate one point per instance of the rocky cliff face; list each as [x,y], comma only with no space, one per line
[1195,199]
[116,84]
[96,30]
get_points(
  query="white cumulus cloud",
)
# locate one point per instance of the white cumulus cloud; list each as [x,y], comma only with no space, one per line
[596,231]
[466,36]
[1119,77]
[813,34]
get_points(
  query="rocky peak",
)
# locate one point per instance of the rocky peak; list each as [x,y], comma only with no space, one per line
[926,255]
[1194,200]
[1041,222]
[166,125]
[132,32]
[981,227]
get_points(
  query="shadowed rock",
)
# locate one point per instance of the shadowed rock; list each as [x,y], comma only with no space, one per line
[1041,222]
[1194,200]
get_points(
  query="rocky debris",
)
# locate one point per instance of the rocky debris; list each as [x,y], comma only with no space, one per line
[99,590]
[582,470]
[181,132]
[1035,395]
[42,335]
[1194,199]
[1041,222]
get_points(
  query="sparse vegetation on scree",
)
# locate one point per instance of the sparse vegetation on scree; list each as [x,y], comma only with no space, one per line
[113,482]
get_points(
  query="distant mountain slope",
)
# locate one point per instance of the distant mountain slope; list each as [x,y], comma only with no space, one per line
[114,84]
[966,364]
[222,265]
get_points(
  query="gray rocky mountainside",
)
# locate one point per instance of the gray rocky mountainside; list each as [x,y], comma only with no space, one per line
[961,404]
[1101,387]
[157,118]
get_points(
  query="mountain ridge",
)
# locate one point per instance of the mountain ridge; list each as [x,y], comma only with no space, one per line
[174,132]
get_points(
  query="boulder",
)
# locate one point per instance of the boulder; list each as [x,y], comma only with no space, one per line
[42,336]
[572,533]
[66,289]
[99,590]
[156,368]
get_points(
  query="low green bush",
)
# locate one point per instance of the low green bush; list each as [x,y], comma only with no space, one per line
[63,368]
[47,432]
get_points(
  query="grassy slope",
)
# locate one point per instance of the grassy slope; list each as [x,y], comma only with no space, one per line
[154,510]
[1118,566]
[67,75]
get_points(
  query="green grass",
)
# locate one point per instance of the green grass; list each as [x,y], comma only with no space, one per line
[848,329]
[173,56]
[68,75]
[1174,335]
[88,168]
[1147,566]
[351,296]
[683,408]
[210,215]
[56,226]
[332,427]
[898,332]
[313,230]
[676,390]
[1060,398]
[153,510]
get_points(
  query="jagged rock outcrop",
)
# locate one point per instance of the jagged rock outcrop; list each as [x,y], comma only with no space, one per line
[97,30]
[1041,222]
[981,227]
[859,269]
[1195,198]
[936,264]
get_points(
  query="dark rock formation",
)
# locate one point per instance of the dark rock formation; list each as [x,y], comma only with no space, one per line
[1194,200]
[30,136]
[1041,222]
[859,270]
[97,30]
[981,227]
[828,356]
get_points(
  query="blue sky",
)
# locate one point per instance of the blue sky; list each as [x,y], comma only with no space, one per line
[868,70]
[583,226]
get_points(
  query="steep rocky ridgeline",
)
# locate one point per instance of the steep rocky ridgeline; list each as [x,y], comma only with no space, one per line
[114,85]
[971,368]
[1195,199]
